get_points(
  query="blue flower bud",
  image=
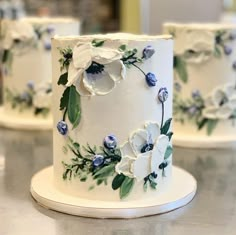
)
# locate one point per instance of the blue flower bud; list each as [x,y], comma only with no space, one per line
[192,110]
[47,46]
[62,127]
[196,94]
[151,79]
[234,65]
[110,142]
[163,94]
[50,29]
[30,85]
[227,50]
[148,52]
[25,96]
[98,160]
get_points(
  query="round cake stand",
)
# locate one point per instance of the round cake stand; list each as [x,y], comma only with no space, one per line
[181,192]
[190,141]
[13,122]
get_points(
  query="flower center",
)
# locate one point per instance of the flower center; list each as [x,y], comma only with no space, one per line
[147,148]
[95,68]
[223,101]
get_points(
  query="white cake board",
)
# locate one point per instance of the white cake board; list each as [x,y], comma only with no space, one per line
[14,122]
[181,192]
[190,141]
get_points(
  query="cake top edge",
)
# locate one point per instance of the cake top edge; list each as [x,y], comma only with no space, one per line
[114,36]
[193,25]
[48,20]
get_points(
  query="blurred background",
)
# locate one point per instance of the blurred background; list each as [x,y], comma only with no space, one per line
[136,16]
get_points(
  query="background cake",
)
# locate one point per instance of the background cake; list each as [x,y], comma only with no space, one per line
[205,82]
[112,108]
[26,64]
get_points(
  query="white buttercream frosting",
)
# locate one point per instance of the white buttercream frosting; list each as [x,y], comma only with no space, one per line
[128,110]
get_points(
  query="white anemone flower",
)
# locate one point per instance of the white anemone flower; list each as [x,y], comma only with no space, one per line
[143,152]
[95,70]
[19,35]
[43,96]
[221,104]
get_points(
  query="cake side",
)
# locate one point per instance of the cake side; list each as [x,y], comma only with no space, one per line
[27,65]
[205,79]
[120,146]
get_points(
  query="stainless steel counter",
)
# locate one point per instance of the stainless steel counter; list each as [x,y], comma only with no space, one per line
[212,212]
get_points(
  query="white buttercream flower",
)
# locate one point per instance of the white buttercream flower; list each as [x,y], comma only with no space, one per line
[143,153]
[43,96]
[95,70]
[221,104]
[19,35]
[198,46]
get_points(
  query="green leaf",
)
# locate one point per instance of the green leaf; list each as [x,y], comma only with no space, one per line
[211,124]
[117,181]
[166,127]
[63,79]
[168,152]
[65,98]
[145,187]
[217,52]
[202,123]
[104,172]
[97,43]
[153,184]
[5,56]
[122,48]
[74,112]
[170,134]
[180,67]
[126,187]
[76,145]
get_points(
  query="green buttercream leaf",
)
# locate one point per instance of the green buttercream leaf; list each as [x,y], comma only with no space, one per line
[74,112]
[104,172]
[166,127]
[126,187]
[202,123]
[63,79]
[5,56]
[211,124]
[97,43]
[65,98]
[168,152]
[170,134]
[122,48]
[117,181]
[217,52]
[153,184]
[180,67]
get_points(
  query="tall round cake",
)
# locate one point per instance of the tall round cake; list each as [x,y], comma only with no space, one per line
[205,84]
[26,64]
[112,108]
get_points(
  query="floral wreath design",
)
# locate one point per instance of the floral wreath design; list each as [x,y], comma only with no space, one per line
[220,104]
[36,97]
[147,148]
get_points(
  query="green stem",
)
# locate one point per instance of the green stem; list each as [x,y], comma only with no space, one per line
[139,69]
[162,115]
[64,115]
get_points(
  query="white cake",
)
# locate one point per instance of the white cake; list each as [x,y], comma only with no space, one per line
[112,110]
[205,81]
[26,64]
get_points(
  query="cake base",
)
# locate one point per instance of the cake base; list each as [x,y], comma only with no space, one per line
[179,194]
[190,141]
[20,123]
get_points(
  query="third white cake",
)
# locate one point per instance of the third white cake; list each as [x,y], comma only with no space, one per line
[205,81]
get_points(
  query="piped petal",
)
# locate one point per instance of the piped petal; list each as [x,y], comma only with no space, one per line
[127,150]
[73,74]
[116,70]
[153,130]
[103,55]
[98,84]
[137,140]
[124,166]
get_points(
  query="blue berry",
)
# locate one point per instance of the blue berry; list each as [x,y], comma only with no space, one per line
[151,79]
[110,142]
[163,94]
[62,127]
[98,160]
[227,50]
